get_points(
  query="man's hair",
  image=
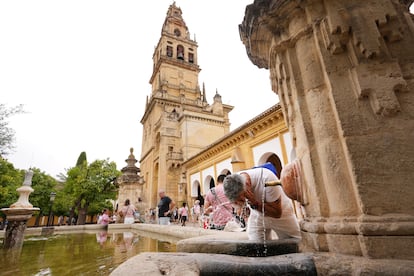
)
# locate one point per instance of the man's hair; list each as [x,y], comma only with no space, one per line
[220,178]
[233,185]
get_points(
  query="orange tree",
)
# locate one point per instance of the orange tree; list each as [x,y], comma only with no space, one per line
[89,187]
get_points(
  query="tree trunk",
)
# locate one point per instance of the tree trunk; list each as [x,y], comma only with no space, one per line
[82,211]
[37,221]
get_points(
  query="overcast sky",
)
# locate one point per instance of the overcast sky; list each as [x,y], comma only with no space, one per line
[82,70]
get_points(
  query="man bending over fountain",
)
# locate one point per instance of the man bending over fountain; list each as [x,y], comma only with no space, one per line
[270,208]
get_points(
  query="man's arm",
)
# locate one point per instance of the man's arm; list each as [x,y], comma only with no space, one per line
[271,209]
[172,204]
[170,208]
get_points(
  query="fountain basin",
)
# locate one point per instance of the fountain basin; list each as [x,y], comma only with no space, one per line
[237,244]
[215,264]
[19,214]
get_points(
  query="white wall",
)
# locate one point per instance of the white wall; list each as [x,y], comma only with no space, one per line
[272,145]
[223,165]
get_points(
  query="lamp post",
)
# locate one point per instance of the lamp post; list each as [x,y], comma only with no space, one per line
[50,218]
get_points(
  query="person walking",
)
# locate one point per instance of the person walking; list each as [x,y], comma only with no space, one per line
[183,211]
[165,207]
[197,212]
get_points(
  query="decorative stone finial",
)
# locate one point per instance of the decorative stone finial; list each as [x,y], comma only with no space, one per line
[24,191]
[28,178]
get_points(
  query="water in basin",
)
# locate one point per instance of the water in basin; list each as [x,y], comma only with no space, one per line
[78,254]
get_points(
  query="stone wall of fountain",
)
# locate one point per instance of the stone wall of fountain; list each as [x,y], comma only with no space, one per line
[343,71]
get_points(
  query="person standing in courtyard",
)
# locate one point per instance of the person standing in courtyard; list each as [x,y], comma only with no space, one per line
[60,220]
[248,187]
[196,211]
[104,220]
[165,208]
[183,211]
[218,205]
[127,212]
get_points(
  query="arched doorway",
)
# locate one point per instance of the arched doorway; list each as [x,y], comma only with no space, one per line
[199,196]
[212,183]
[272,158]
[225,172]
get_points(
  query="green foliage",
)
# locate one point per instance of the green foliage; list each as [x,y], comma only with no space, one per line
[91,186]
[43,185]
[6,133]
[81,159]
[10,180]
[63,203]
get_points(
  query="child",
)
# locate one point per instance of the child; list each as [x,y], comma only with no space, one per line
[183,214]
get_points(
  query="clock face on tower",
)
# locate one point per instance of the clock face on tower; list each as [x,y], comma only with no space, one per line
[177,32]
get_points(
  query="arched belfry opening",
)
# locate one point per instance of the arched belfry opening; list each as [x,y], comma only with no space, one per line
[180,52]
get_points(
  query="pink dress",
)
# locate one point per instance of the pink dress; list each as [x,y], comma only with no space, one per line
[222,208]
[128,212]
[105,219]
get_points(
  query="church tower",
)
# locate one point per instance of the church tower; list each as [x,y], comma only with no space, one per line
[178,122]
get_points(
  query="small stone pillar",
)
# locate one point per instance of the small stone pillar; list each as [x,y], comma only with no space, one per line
[131,184]
[344,73]
[237,161]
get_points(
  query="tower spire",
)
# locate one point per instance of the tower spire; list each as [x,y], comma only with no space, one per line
[204,93]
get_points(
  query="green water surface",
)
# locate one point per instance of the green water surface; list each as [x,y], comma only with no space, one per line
[78,254]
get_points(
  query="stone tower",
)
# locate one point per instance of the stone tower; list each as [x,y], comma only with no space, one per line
[131,184]
[344,73]
[178,122]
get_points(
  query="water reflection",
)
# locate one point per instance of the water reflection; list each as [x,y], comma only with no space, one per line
[79,254]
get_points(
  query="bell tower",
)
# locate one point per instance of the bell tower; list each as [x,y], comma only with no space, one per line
[178,122]
[175,68]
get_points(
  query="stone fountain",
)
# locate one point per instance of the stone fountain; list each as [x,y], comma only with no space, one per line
[18,214]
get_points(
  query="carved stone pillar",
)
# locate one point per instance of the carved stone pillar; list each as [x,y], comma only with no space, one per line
[131,185]
[344,73]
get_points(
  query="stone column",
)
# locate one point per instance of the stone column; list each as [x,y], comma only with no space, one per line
[131,185]
[344,73]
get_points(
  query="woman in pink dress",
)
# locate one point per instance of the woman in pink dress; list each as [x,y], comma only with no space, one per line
[128,212]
